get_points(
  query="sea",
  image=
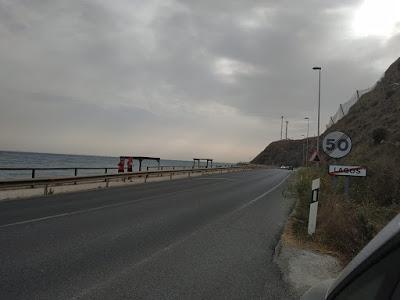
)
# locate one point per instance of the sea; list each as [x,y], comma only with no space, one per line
[14,159]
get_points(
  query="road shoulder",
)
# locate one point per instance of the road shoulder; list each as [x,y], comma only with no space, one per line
[302,265]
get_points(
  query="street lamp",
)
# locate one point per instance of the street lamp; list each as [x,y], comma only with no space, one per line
[287,122]
[319,103]
[308,129]
[303,136]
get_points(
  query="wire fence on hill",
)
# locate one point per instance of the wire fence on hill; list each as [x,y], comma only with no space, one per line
[344,108]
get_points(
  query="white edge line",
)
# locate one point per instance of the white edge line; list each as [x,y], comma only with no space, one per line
[262,195]
[81,211]
[68,214]
[121,204]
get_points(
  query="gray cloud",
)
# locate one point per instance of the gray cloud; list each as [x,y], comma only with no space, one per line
[175,78]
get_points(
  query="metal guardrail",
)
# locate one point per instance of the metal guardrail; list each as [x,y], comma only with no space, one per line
[48,182]
[161,168]
[33,170]
[106,169]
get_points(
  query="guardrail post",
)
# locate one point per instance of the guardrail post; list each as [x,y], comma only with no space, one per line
[145,178]
[33,173]
[76,171]
[105,171]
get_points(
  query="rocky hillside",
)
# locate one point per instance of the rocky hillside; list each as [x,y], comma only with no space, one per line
[373,123]
[375,118]
[284,152]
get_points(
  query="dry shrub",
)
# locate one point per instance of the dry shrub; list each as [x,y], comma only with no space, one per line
[302,189]
[345,226]
[342,226]
[384,180]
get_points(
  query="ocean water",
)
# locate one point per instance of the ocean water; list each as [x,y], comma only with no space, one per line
[11,159]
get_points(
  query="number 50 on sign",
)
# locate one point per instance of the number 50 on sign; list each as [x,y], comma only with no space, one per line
[336,144]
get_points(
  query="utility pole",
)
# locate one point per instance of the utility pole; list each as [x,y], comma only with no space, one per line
[319,103]
[286,128]
[281,127]
[308,129]
[304,155]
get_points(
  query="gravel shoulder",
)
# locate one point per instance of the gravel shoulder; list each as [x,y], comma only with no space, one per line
[303,266]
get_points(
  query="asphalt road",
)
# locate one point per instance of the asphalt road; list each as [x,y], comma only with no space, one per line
[208,237]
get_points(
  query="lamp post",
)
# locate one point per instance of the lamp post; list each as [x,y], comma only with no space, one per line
[303,162]
[287,122]
[319,103]
[308,130]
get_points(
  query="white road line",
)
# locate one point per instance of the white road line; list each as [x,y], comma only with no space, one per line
[68,214]
[121,204]
[262,195]
[81,211]
[216,178]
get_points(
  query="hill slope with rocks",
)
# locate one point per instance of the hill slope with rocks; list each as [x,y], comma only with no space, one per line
[285,152]
[347,221]
[373,123]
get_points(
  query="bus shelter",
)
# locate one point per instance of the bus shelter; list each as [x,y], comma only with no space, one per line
[129,162]
[198,160]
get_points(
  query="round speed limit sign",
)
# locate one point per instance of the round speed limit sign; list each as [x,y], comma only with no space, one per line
[336,144]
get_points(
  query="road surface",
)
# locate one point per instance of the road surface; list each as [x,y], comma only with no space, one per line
[207,237]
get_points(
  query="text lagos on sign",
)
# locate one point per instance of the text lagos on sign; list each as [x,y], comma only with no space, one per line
[358,171]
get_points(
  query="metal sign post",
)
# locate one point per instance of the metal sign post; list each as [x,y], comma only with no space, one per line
[346,187]
[312,218]
[347,171]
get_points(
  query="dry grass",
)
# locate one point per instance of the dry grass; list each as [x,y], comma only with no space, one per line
[344,226]
[290,239]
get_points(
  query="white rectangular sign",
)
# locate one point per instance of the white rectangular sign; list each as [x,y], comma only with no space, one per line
[316,184]
[312,218]
[347,171]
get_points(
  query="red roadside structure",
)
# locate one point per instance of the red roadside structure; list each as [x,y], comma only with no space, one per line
[130,159]
[129,164]
[121,165]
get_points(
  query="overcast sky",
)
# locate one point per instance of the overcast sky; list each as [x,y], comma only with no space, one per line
[179,79]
